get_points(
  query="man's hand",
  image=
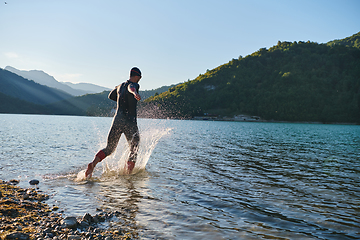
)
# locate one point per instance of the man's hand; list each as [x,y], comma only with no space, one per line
[132,90]
[137,96]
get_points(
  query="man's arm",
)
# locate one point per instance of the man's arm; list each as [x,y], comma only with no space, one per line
[132,89]
[113,95]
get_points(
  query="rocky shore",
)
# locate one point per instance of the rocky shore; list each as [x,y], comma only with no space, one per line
[24,215]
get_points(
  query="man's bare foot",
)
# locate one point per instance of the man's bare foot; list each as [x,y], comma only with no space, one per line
[89,170]
[130,166]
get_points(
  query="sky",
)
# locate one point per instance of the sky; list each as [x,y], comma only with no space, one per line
[171,41]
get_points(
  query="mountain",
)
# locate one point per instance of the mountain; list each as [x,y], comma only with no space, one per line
[20,95]
[18,87]
[47,80]
[10,104]
[87,87]
[291,81]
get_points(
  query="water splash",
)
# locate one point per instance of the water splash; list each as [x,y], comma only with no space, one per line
[80,176]
[115,164]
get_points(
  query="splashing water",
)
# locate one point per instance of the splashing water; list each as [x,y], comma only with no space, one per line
[115,164]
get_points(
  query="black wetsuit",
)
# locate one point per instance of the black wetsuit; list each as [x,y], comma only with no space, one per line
[124,121]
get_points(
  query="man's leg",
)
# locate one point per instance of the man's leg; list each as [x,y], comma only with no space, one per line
[98,158]
[133,138]
[113,139]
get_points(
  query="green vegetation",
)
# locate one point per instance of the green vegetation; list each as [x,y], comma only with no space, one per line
[148,93]
[353,41]
[292,81]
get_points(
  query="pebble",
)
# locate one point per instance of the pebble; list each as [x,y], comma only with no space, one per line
[34,182]
[17,235]
[25,216]
[14,181]
[73,237]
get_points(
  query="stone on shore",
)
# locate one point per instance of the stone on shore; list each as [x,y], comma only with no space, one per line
[23,215]
[69,222]
[87,217]
[34,182]
[18,236]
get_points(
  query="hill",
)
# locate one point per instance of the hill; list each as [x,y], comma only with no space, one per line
[9,104]
[352,41]
[154,92]
[86,105]
[43,78]
[18,87]
[20,95]
[292,81]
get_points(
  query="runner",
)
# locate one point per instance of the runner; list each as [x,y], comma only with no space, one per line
[126,95]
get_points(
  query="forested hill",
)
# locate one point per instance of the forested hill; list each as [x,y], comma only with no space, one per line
[353,41]
[17,87]
[291,81]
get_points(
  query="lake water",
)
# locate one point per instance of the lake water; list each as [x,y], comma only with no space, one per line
[196,179]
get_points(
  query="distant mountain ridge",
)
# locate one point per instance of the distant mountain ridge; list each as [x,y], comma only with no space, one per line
[89,88]
[43,78]
[18,87]
[21,95]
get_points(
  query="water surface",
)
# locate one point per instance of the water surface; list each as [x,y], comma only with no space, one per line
[197,179]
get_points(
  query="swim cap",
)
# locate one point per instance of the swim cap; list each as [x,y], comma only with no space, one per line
[135,72]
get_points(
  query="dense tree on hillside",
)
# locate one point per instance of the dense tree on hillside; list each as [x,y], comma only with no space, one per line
[148,93]
[353,41]
[292,81]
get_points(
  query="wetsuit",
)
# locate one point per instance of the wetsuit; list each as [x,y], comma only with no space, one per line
[124,121]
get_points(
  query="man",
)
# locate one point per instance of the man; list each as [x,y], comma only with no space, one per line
[126,95]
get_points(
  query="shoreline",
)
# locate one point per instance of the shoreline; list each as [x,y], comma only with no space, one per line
[199,118]
[25,215]
[225,119]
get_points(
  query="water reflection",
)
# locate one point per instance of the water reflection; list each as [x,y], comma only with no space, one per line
[123,195]
[205,180]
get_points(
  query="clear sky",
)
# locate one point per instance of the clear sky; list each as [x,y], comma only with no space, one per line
[171,41]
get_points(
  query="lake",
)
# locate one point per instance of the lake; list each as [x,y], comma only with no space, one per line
[196,179]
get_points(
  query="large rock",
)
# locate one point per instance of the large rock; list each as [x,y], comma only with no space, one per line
[69,222]
[87,217]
